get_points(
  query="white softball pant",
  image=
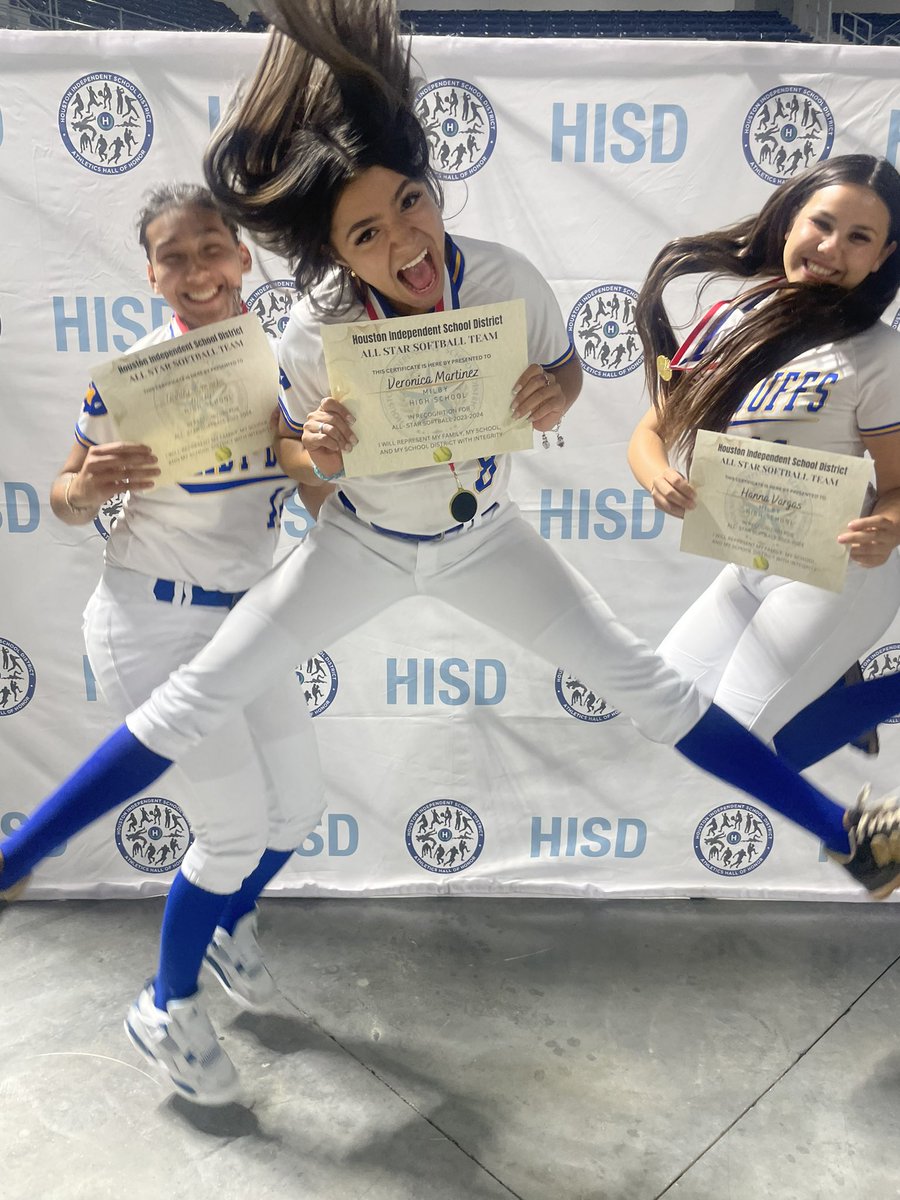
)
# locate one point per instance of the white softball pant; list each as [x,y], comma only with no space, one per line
[499,572]
[763,647]
[255,782]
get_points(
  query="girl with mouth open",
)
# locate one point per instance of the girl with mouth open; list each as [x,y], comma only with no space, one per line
[801,358]
[324,160]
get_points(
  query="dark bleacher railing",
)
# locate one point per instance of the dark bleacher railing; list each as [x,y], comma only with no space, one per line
[131,14]
[756,26]
[765,26]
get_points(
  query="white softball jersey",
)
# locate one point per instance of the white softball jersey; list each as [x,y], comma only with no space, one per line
[828,397]
[216,529]
[417,502]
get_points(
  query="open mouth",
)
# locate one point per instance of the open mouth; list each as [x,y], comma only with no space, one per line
[202,297]
[420,275]
[817,271]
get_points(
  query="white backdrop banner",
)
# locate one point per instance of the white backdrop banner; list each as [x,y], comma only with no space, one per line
[455,762]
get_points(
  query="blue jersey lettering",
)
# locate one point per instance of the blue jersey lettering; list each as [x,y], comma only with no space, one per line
[488,471]
[789,378]
[801,390]
[822,391]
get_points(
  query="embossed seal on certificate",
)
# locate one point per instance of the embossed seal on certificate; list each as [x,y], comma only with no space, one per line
[768,515]
[427,402]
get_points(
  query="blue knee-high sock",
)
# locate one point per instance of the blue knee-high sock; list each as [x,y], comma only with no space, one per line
[118,768]
[722,746]
[189,920]
[836,719]
[244,901]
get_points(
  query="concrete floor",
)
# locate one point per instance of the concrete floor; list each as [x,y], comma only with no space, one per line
[459,1049]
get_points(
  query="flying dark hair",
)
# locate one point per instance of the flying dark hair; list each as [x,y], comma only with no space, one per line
[332,96]
[167,196]
[798,317]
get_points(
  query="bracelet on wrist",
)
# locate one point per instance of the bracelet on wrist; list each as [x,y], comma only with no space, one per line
[327,478]
[76,509]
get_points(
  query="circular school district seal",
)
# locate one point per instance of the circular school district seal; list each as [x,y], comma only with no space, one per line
[318,677]
[883,661]
[110,510]
[602,330]
[153,835]
[105,123]
[787,130]
[444,836]
[577,699]
[17,678]
[272,304]
[733,839]
[460,125]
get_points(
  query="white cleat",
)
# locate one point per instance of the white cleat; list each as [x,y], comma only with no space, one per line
[236,961]
[182,1045]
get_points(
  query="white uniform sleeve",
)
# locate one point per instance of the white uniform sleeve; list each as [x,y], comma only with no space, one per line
[548,340]
[303,378]
[878,373]
[94,426]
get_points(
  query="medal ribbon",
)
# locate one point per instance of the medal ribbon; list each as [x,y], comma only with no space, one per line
[464,505]
[693,350]
[378,307]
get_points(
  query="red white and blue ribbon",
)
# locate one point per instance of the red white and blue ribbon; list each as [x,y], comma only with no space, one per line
[694,349]
[379,307]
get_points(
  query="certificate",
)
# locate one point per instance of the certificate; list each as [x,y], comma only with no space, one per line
[432,388]
[773,507]
[199,400]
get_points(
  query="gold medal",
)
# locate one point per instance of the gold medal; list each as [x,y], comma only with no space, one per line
[664,367]
[464,505]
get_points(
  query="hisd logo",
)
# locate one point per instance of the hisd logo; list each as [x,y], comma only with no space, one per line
[319,679]
[581,701]
[153,835]
[786,131]
[272,304]
[883,661]
[460,125]
[601,328]
[110,511]
[17,678]
[733,839]
[444,836]
[105,123]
